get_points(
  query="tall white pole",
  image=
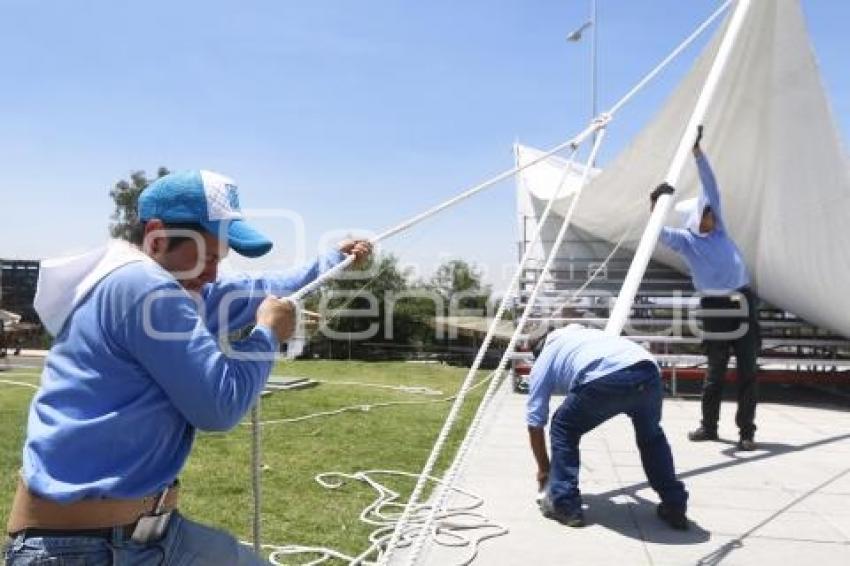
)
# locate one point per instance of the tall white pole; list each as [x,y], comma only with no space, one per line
[593,73]
[653,228]
[593,28]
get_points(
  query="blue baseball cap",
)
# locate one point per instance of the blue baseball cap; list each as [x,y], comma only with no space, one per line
[205,198]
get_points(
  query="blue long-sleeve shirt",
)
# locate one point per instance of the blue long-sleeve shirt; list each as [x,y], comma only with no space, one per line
[715,262]
[136,370]
[574,356]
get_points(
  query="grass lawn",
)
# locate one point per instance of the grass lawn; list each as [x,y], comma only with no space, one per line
[296,510]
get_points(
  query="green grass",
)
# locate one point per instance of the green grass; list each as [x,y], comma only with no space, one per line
[296,509]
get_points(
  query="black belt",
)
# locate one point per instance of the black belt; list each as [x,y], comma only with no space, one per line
[105,533]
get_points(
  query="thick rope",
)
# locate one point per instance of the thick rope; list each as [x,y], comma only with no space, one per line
[520,326]
[577,293]
[474,427]
[573,143]
[19,383]
[416,389]
[301,293]
[365,407]
[450,419]
[449,530]
[673,54]
[383,514]
[494,180]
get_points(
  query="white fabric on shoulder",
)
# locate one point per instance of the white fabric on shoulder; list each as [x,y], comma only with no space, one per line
[64,282]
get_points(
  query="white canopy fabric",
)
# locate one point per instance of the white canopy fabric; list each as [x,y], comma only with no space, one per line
[775,149]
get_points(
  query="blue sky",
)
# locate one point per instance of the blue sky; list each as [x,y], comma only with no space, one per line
[355,114]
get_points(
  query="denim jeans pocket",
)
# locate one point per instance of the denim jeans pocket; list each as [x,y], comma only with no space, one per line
[56,551]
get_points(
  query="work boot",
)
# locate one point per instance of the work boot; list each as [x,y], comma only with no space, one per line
[570,519]
[702,434]
[672,517]
[746,444]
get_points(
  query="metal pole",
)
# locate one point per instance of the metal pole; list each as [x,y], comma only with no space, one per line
[256,486]
[623,306]
[593,49]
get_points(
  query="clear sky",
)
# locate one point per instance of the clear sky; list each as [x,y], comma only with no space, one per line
[355,114]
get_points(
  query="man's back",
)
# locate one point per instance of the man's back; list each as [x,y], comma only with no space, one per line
[112,417]
[573,356]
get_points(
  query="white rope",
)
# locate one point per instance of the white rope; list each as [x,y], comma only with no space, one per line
[334,271]
[634,276]
[447,533]
[577,293]
[472,431]
[592,129]
[19,383]
[453,414]
[673,54]
[321,279]
[365,407]
[455,528]
[415,389]
[571,144]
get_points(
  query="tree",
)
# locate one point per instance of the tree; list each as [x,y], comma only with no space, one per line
[460,285]
[403,312]
[125,195]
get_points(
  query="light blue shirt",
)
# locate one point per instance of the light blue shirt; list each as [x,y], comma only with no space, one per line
[118,406]
[574,356]
[714,260]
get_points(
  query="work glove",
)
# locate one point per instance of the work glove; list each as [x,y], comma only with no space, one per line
[662,189]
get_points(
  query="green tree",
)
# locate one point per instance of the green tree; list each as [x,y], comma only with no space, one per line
[456,276]
[388,287]
[125,195]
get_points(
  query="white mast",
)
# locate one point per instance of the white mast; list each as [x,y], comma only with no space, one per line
[653,228]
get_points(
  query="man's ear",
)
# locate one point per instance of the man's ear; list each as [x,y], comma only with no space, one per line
[155,241]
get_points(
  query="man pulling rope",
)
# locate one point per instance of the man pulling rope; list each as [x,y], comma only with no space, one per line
[136,368]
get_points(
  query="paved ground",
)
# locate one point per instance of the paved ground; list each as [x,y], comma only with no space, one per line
[787,503]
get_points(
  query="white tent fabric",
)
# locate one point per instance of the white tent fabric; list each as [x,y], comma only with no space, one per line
[778,158]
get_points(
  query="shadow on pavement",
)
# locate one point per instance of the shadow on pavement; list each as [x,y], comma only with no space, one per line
[637,519]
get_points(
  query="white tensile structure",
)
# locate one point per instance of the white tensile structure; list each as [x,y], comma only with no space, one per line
[775,148]
[784,180]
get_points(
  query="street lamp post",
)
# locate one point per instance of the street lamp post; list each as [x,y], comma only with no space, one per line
[575,37]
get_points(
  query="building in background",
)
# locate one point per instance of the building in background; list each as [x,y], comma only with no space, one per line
[22,329]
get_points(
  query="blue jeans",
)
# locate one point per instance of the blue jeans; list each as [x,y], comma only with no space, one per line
[185,542]
[635,391]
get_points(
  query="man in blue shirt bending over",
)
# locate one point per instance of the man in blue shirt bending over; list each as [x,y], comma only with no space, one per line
[137,366]
[729,306]
[602,376]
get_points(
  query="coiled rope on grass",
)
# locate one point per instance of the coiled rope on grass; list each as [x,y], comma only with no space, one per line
[458,526]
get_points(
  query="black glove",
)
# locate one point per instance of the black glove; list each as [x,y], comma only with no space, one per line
[662,189]
[699,137]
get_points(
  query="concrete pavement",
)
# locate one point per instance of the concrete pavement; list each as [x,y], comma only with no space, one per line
[786,503]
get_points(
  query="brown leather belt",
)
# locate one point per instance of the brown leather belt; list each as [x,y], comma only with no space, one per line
[29,511]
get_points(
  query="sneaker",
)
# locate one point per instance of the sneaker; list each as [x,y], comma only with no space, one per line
[746,444]
[570,519]
[702,434]
[675,519]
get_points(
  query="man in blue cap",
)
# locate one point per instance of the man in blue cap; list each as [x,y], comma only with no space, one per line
[731,322]
[136,368]
[602,376]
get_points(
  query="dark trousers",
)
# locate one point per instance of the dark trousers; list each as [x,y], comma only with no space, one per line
[745,340]
[636,392]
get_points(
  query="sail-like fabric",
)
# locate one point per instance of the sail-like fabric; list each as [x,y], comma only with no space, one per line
[775,149]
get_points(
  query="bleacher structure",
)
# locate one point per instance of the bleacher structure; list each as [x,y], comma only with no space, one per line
[588,273]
